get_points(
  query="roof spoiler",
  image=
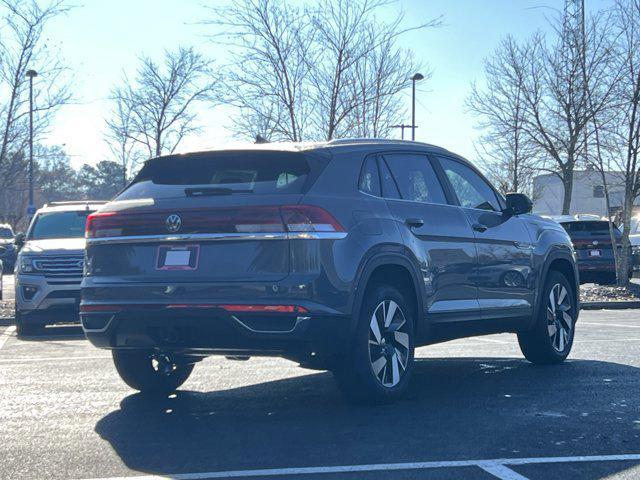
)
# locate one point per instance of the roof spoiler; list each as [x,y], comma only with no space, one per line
[76,202]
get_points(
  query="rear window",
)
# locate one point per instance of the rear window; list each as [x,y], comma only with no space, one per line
[587,226]
[264,173]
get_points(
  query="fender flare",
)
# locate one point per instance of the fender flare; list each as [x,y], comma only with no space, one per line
[366,271]
[555,255]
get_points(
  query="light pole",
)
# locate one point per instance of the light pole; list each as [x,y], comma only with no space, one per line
[416,77]
[31,74]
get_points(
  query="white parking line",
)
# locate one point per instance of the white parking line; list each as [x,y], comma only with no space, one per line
[53,359]
[609,325]
[491,466]
[6,334]
[493,340]
[502,472]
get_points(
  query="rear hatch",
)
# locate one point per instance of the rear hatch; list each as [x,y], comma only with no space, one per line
[216,216]
[591,239]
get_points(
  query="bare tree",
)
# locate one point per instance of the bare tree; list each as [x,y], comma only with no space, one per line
[623,129]
[507,153]
[348,34]
[156,111]
[268,80]
[314,72]
[379,80]
[557,77]
[23,47]
[120,138]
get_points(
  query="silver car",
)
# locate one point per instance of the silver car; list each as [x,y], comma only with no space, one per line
[49,266]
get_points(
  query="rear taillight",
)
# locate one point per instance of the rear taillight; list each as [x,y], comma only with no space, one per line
[102,225]
[231,308]
[242,220]
[307,218]
[257,220]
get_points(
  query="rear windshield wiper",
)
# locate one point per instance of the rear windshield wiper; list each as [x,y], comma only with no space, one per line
[212,191]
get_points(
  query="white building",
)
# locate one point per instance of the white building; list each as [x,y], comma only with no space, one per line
[587,195]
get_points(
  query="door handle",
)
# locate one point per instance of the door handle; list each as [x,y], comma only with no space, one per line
[479,227]
[414,222]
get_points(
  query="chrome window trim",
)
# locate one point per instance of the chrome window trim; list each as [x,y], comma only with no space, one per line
[218,237]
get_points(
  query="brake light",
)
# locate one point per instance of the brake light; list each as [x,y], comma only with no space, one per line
[102,225]
[257,220]
[236,308]
[242,220]
[308,218]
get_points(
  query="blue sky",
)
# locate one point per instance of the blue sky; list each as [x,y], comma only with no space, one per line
[100,40]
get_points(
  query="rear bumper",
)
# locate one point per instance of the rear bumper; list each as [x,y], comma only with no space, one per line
[596,267]
[207,331]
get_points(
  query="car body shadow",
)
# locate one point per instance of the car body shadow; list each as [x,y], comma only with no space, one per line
[472,408]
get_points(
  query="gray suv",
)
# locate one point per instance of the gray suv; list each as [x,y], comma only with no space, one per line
[49,266]
[343,256]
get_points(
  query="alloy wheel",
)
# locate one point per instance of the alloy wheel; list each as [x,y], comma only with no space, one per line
[559,318]
[388,343]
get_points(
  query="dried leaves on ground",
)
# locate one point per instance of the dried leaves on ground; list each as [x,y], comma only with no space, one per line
[592,292]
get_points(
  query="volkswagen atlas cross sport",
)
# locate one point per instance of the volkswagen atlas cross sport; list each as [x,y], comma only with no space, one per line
[49,266]
[343,256]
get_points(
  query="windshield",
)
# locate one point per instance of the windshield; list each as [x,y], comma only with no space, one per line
[59,225]
[6,232]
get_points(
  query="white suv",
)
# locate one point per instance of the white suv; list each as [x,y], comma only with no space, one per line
[49,266]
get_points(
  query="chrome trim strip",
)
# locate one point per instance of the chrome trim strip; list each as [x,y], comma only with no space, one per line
[317,235]
[451,306]
[488,303]
[218,237]
[298,321]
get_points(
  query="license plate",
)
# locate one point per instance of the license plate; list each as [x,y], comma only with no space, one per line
[177,257]
[595,253]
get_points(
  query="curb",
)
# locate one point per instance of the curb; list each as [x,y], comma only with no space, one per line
[615,305]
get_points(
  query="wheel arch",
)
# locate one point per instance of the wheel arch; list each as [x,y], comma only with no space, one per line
[563,262]
[396,267]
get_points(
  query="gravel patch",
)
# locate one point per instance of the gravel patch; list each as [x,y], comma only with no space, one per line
[592,292]
[6,309]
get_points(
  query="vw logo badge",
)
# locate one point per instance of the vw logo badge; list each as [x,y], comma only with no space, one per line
[595,242]
[173,223]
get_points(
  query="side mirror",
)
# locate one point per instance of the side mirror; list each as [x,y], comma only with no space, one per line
[18,240]
[518,203]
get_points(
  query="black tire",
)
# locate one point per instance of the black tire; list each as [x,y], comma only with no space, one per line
[136,368]
[354,372]
[551,339]
[24,329]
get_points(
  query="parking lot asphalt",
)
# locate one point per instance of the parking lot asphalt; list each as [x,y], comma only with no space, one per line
[475,410]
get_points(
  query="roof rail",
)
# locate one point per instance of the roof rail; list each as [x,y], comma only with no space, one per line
[348,141]
[75,202]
